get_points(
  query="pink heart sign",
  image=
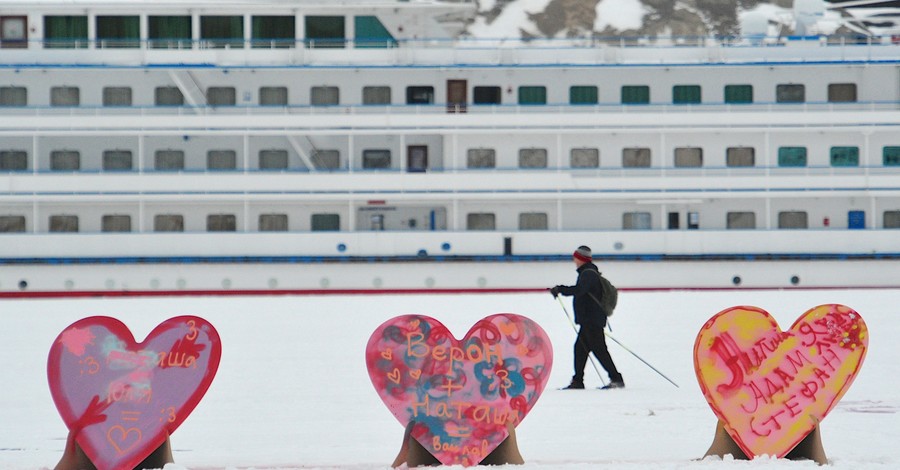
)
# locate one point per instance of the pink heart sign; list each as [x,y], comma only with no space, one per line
[770,387]
[122,398]
[460,394]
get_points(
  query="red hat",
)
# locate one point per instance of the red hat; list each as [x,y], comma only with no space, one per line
[583,253]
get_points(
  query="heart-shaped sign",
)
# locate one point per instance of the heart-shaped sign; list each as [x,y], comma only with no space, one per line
[770,387]
[121,399]
[460,395]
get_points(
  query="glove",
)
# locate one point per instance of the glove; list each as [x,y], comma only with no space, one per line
[554,291]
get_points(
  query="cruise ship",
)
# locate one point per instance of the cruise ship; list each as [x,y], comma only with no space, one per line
[164,148]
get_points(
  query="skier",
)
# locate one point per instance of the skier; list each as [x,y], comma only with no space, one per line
[592,319]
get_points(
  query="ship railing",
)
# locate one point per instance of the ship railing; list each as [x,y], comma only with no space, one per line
[443,108]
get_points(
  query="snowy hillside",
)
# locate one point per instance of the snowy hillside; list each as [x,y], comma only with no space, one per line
[599,18]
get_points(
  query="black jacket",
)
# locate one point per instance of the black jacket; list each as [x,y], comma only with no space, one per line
[587,309]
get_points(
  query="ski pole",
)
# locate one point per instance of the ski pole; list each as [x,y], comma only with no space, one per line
[574,328]
[639,357]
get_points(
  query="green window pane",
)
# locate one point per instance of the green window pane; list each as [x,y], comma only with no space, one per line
[738,93]
[170,32]
[325,31]
[891,156]
[686,94]
[371,33]
[65,32]
[325,222]
[583,95]
[635,94]
[844,156]
[532,95]
[272,31]
[222,31]
[791,156]
[119,31]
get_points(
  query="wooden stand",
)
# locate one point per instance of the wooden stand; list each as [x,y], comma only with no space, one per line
[75,459]
[414,454]
[810,448]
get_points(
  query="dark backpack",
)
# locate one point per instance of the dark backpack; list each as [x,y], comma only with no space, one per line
[609,295]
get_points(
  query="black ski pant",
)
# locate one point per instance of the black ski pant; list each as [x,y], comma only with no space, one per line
[592,340]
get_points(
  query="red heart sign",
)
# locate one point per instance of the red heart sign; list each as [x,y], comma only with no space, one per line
[771,388]
[122,398]
[460,394]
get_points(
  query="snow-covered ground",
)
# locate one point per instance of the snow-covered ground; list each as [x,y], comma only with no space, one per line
[292,390]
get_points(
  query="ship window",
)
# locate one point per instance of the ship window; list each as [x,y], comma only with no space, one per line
[63,223]
[791,156]
[738,94]
[221,160]
[12,223]
[13,160]
[65,96]
[273,32]
[13,32]
[583,94]
[419,95]
[273,222]
[532,158]
[740,156]
[487,95]
[117,160]
[221,96]
[481,158]
[324,95]
[118,32]
[890,156]
[741,220]
[65,160]
[844,156]
[273,96]
[636,221]
[168,223]
[638,157]
[376,159]
[273,159]
[325,31]
[116,96]
[688,157]
[325,222]
[790,93]
[481,221]
[377,95]
[792,219]
[371,33]
[326,159]
[533,221]
[168,160]
[115,223]
[219,32]
[891,219]
[170,32]
[841,92]
[168,96]
[532,95]
[686,94]
[221,223]
[584,158]
[635,94]
[13,96]
[65,32]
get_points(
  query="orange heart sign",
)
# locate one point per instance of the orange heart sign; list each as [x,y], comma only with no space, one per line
[770,387]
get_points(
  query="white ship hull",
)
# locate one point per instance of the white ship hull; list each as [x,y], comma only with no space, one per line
[325,160]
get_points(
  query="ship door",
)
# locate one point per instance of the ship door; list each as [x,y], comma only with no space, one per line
[457,96]
[856,220]
[416,158]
